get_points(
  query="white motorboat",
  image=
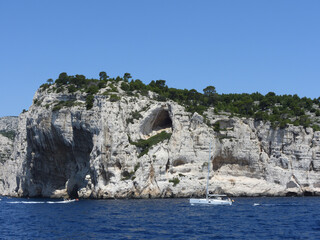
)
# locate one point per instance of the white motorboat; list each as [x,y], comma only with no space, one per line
[211,199]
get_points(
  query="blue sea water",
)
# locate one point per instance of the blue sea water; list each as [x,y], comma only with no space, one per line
[247,218]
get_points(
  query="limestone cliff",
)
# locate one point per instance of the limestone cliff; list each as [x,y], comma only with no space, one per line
[8,126]
[61,148]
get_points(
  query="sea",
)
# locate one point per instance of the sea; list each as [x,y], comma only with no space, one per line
[247,218]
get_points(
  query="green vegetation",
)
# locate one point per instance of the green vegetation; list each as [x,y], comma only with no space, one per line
[9,134]
[93,89]
[114,98]
[136,167]
[103,76]
[62,104]
[35,101]
[126,77]
[279,110]
[72,89]
[224,136]
[127,175]
[175,181]
[216,127]
[44,86]
[145,145]
[316,127]
[135,115]
[130,175]
[89,101]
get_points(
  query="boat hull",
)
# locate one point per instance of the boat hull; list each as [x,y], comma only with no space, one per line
[209,201]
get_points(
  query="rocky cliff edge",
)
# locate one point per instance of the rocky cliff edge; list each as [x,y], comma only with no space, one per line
[137,147]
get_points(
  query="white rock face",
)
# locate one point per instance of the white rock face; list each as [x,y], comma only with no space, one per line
[6,147]
[91,153]
[8,123]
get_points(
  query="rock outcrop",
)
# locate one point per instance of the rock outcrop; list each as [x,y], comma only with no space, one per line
[8,123]
[8,127]
[72,151]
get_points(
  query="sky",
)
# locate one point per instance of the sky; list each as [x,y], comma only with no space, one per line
[237,46]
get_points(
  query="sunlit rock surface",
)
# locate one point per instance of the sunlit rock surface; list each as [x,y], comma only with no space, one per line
[91,153]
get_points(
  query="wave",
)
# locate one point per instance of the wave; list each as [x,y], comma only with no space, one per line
[275,205]
[25,202]
[38,202]
[65,201]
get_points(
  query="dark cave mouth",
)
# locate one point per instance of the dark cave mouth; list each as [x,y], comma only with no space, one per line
[162,121]
[156,122]
[73,194]
[59,162]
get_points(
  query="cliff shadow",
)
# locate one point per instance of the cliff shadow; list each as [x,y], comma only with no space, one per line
[55,163]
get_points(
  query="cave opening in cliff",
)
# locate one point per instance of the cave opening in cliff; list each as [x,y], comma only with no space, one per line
[54,161]
[308,194]
[157,121]
[162,121]
[74,192]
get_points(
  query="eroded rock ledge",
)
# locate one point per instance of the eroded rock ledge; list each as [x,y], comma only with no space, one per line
[90,153]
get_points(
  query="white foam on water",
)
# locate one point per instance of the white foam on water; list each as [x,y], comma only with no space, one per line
[65,201]
[25,202]
[49,202]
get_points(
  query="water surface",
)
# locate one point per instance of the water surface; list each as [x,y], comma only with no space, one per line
[247,218]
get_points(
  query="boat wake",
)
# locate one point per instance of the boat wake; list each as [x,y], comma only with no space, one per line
[38,202]
[58,202]
[25,202]
[275,205]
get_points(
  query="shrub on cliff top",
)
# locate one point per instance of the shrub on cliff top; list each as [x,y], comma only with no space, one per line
[269,107]
[72,89]
[93,89]
[45,86]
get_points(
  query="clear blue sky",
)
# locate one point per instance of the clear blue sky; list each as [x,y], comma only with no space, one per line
[236,46]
